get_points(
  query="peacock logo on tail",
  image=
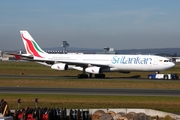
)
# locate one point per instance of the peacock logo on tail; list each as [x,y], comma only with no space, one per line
[31,46]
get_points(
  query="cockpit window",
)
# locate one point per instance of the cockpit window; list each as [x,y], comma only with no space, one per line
[168,60]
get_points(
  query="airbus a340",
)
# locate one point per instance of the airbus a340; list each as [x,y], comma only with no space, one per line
[90,64]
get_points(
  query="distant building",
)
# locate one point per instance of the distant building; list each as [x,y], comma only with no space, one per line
[5,57]
[54,51]
[1,55]
[107,50]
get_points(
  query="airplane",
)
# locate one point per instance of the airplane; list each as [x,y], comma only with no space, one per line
[90,64]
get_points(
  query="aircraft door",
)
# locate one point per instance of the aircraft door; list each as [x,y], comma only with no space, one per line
[79,59]
[155,61]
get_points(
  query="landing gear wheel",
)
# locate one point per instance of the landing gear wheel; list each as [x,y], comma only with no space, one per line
[90,75]
[99,75]
[82,76]
[166,77]
[150,77]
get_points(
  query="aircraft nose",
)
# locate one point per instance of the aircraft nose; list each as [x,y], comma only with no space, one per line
[172,64]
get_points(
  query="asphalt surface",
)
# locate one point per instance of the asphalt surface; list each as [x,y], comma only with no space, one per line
[85,91]
[90,91]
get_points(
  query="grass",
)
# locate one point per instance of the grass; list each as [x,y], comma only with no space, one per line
[170,104]
[89,83]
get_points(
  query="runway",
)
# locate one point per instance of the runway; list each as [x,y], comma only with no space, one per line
[85,91]
[75,77]
[90,91]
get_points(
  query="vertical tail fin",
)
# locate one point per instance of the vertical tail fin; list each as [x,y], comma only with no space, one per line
[31,46]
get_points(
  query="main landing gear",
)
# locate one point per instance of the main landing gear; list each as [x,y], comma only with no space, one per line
[82,75]
[99,75]
[90,75]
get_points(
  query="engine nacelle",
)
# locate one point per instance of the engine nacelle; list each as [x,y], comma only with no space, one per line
[95,70]
[59,66]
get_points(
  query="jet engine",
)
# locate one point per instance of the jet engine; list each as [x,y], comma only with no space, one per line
[59,66]
[95,70]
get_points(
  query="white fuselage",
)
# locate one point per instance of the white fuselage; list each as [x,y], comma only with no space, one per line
[114,62]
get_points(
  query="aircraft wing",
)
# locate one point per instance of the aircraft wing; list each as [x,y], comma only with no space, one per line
[82,64]
[30,58]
